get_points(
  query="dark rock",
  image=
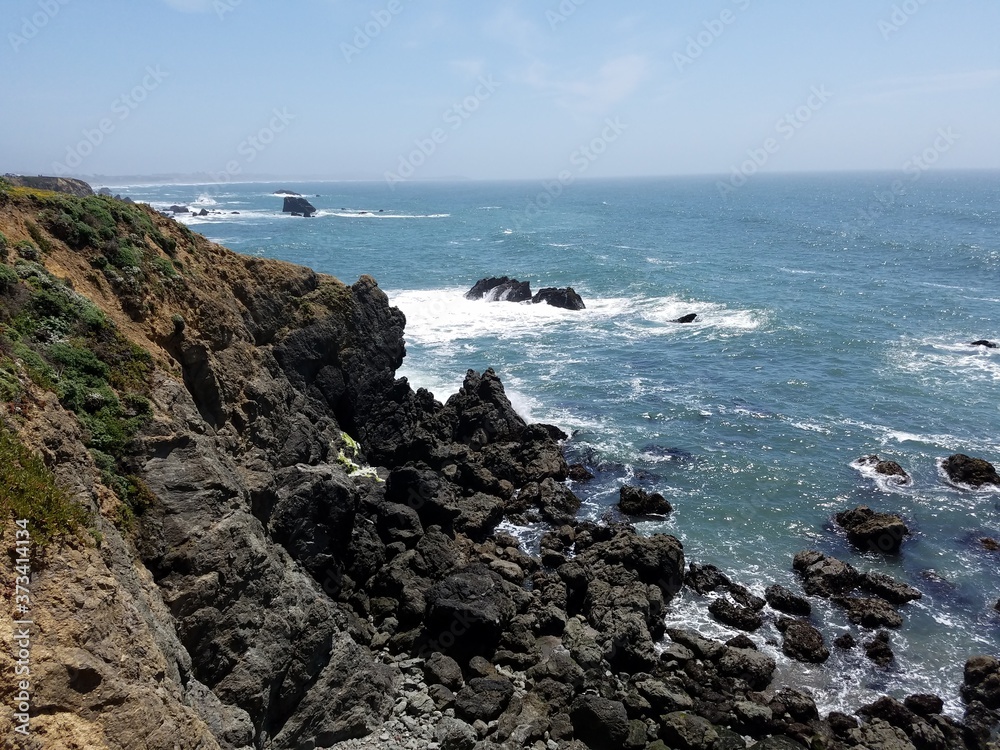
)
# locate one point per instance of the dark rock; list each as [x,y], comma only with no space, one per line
[879,650]
[286,192]
[825,576]
[706,578]
[871,531]
[741,641]
[729,613]
[802,641]
[444,670]
[454,734]
[442,696]
[841,724]
[845,641]
[203,212]
[974,472]
[990,544]
[982,681]
[784,600]
[603,722]
[689,318]
[755,668]
[888,588]
[924,704]
[980,726]
[566,298]
[503,289]
[687,731]
[885,468]
[179,209]
[777,742]
[468,611]
[580,473]
[295,204]
[556,502]
[634,501]
[984,342]
[483,698]
[870,612]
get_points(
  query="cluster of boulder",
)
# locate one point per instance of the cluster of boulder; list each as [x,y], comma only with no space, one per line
[178,210]
[505,289]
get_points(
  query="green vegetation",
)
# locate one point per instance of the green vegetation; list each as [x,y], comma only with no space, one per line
[28,490]
[4,248]
[27,251]
[65,344]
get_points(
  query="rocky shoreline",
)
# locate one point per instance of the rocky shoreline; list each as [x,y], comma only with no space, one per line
[316,561]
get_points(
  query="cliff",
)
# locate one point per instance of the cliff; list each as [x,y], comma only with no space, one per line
[248,533]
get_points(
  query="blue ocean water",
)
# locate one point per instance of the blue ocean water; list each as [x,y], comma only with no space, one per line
[834,315]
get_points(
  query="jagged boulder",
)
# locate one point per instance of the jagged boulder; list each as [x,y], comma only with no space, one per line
[823,575]
[468,612]
[802,641]
[689,318]
[500,289]
[297,205]
[635,501]
[974,472]
[784,600]
[603,722]
[566,298]
[872,531]
[982,681]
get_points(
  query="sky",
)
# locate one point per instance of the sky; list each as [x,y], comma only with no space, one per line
[501,89]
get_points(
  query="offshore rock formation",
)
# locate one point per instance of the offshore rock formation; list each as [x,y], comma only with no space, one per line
[297,206]
[289,547]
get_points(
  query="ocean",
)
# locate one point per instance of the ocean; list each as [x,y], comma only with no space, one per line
[834,319]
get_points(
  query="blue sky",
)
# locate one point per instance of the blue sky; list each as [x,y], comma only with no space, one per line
[505,89]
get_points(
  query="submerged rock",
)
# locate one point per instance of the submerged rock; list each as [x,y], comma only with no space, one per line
[783,600]
[689,318]
[885,468]
[985,343]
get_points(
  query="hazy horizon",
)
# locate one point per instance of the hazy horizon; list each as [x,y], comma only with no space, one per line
[566,90]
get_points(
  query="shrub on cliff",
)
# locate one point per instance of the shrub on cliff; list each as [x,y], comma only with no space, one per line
[28,490]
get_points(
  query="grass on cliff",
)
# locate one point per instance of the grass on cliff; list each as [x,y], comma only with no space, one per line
[63,343]
[118,237]
[28,490]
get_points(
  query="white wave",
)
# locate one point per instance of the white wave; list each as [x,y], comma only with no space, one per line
[488,208]
[946,360]
[377,215]
[205,200]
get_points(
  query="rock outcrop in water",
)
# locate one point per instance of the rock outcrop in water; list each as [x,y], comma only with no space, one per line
[297,206]
[505,289]
[873,532]
[289,547]
[566,298]
[974,472]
